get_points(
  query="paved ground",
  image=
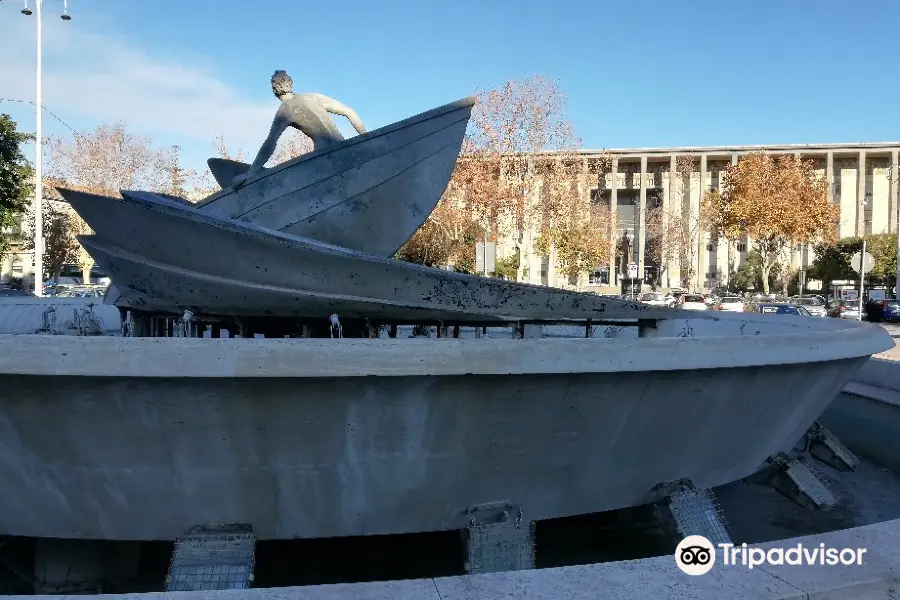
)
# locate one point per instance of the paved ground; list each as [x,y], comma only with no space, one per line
[894,330]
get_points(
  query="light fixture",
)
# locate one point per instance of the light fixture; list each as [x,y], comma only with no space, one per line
[26,11]
[65,16]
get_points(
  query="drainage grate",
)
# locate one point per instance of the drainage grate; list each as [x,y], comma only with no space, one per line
[811,484]
[697,512]
[498,539]
[828,448]
[213,557]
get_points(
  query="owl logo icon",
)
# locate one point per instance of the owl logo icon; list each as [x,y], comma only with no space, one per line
[695,555]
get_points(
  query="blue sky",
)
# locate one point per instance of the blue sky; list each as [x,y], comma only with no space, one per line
[638,74]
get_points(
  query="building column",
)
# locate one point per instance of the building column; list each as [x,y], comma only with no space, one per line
[667,206]
[614,218]
[894,174]
[642,218]
[861,194]
[829,177]
[829,174]
[731,245]
[703,255]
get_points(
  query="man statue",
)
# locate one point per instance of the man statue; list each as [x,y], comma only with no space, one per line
[306,112]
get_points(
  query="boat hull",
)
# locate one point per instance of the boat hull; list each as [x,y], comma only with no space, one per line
[152,436]
[369,193]
[218,267]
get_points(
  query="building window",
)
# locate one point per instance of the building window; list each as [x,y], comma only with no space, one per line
[742,247]
[709,247]
[17,267]
[599,277]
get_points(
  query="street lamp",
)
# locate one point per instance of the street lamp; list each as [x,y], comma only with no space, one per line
[38,151]
[894,175]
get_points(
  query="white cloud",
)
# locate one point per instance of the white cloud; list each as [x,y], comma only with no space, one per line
[97,77]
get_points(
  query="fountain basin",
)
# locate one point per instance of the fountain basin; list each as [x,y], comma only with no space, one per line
[142,438]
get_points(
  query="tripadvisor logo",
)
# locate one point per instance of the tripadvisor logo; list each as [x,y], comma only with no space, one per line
[696,555]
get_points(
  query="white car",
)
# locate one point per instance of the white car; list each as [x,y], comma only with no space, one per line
[732,303]
[692,302]
[653,298]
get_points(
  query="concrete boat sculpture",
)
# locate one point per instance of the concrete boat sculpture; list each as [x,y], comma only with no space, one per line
[338,437]
[225,267]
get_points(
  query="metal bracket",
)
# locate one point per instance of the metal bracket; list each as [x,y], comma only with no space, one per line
[497,539]
[213,557]
[827,448]
[800,482]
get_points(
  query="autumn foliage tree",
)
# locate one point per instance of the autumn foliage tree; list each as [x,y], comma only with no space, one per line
[508,182]
[446,238]
[777,202]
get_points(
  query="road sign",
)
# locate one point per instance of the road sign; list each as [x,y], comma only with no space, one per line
[868,262]
[632,271]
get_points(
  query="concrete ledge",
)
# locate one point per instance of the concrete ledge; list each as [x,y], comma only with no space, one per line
[873,392]
[650,578]
[880,372]
[192,357]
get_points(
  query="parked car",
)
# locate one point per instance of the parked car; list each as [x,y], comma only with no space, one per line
[732,304]
[674,297]
[891,310]
[13,292]
[692,302]
[813,305]
[783,309]
[654,299]
[849,309]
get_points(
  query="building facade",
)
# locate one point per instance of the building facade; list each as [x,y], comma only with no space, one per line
[863,180]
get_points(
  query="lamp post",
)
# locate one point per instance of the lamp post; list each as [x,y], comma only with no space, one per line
[894,174]
[38,149]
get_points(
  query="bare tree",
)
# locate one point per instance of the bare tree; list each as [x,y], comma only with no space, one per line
[676,228]
[104,161]
[60,226]
[512,185]
[291,145]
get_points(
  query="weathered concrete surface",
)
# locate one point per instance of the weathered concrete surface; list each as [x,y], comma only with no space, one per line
[369,193]
[317,438]
[876,578]
[675,345]
[247,270]
[867,415]
[23,315]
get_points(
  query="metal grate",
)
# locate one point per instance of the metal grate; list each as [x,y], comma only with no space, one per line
[213,557]
[801,482]
[697,512]
[810,483]
[828,448]
[498,539]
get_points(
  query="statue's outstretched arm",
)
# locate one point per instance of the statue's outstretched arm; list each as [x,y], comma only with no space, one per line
[279,124]
[266,151]
[337,108]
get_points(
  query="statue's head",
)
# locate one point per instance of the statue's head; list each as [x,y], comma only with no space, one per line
[282,84]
